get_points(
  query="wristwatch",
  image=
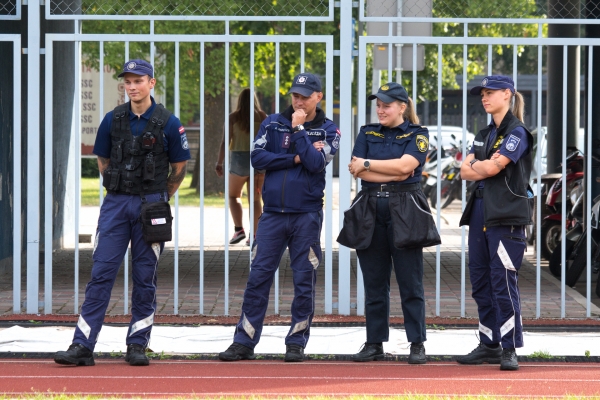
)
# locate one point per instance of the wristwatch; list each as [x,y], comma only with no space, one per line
[367,164]
[473,161]
[298,128]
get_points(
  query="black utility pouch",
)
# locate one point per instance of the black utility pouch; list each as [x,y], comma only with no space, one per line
[156,221]
[110,178]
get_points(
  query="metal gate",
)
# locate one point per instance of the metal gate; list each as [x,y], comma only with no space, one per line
[350,294]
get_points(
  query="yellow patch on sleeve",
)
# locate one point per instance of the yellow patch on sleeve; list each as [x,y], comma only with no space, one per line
[422,143]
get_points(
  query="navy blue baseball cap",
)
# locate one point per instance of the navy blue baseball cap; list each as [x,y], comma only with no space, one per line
[306,84]
[390,92]
[138,67]
[494,82]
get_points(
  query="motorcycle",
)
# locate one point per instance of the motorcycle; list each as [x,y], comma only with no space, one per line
[429,174]
[451,183]
[552,223]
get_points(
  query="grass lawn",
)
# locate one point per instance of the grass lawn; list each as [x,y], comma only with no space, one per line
[187,196]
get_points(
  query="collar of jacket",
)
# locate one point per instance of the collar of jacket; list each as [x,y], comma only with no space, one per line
[502,128]
[315,123]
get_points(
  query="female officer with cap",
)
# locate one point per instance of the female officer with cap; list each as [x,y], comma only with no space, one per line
[497,212]
[389,221]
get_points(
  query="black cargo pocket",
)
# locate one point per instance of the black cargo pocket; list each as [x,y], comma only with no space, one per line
[110,178]
[156,222]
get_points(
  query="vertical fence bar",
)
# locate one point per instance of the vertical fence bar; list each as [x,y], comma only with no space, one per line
[251,184]
[390,58]
[277,111]
[490,72]
[77,165]
[226,175]
[564,185]
[152,52]
[302,45]
[126,258]
[17,135]
[345,149]
[48,192]
[362,110]
[176,235]
[438,186]
[101,110]
[538,225]
[201,175]
[588,186]
[33,156]
[463,230]
[329,170]
[515,66]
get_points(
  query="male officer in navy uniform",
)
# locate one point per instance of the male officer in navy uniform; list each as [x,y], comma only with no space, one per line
[294,147]
[135,144]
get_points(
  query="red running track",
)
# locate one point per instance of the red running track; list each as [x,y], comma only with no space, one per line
[276,378]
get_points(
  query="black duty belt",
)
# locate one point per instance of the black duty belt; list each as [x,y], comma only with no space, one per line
[479,193]
[385,190]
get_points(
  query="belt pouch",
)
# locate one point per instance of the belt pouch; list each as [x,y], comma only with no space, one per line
[156,221]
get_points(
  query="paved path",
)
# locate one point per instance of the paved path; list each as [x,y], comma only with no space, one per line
[215,219]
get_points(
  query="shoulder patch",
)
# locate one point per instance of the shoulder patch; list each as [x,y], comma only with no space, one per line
[181,130]
[512,143]
[422,143]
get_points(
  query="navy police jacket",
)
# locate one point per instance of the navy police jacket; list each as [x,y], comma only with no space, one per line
[290,187]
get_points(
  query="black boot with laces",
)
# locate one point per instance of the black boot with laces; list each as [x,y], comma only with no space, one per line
[136,355]
[417,354]
[482,354]
[509,360]
[77,354]
[237,352]
[369,352]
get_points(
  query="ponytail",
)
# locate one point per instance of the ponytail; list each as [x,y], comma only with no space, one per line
[518,109]
[411,114]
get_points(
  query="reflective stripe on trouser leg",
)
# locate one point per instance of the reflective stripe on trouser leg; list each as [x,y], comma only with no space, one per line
[268,247]
[479,273]
[144,257]
[305,256]
[507,246]
[112,238]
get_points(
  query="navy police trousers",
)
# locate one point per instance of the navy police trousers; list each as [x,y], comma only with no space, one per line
[118,225]
[495,257]
[376,262]
[300,232]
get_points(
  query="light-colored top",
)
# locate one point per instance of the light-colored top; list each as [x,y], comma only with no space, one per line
[239,140]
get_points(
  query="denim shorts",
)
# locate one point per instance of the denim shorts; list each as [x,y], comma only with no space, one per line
[239,163]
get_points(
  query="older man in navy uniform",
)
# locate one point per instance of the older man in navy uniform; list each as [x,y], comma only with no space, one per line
[294,147]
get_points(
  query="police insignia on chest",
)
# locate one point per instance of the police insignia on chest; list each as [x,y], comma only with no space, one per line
[377,134]
[422,143]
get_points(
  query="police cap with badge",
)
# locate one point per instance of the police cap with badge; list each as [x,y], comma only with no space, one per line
[494,82]
[390,92]
[138,67]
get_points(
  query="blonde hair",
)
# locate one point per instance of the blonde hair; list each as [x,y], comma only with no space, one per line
[518,108]
[410,113]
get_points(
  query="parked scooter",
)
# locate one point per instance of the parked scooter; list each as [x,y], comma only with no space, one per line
[430,169]
[551,225]
[451,182]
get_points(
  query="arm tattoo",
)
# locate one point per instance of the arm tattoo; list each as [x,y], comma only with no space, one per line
[103,164]
[176,176]
[500,166]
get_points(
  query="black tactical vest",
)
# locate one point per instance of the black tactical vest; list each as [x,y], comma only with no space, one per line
[506,200]
[138,164]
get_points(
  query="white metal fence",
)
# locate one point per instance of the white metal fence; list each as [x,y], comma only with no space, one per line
[325,14]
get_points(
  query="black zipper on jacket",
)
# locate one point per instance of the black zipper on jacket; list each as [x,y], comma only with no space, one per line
[283,191]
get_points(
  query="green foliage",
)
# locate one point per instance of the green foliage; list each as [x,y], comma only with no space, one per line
[541,354]
[587,353]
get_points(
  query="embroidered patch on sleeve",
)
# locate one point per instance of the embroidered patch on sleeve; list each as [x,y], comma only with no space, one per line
[422,143]
[512,143]
[181,130]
